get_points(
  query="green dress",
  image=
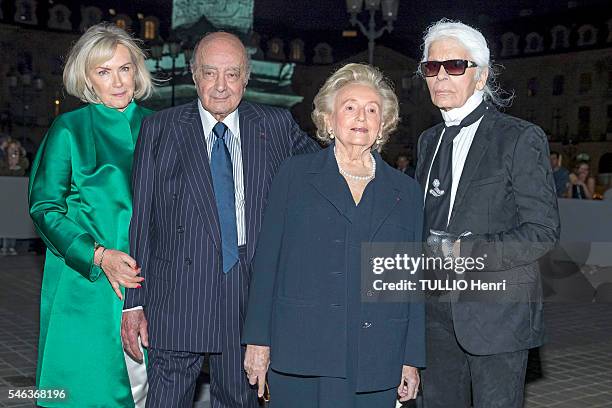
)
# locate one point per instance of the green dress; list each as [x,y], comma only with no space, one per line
[80,194]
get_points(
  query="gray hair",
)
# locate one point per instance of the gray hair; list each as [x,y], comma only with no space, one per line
[206,37]
[356,74]
[97,45]
[475,44]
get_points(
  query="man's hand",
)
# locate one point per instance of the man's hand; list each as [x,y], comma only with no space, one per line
[134,325]
[409,385]
[256,362]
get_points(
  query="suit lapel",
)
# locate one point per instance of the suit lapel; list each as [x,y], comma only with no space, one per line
[331,185]
[255,174]
[328,181]
[386,196]
[429,148]
[194,156]
[479,146]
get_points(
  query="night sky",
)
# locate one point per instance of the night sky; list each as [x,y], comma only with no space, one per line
[305,15]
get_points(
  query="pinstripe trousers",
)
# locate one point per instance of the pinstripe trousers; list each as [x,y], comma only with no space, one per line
[173,374]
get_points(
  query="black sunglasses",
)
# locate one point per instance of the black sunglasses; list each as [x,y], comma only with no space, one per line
[452,67]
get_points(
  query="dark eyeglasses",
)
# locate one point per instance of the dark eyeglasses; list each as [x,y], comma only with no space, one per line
[452,67]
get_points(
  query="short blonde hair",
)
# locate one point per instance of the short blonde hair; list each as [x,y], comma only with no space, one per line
[97,45]
[356,74]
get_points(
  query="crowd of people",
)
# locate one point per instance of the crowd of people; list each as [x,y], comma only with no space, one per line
[220,229]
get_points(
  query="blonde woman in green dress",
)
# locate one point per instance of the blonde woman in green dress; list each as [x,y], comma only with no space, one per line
[81,204]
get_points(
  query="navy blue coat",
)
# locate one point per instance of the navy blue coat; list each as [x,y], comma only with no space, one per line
[301,276]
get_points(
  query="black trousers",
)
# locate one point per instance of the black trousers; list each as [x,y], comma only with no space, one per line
[293,391]
[173,374]
[454,377]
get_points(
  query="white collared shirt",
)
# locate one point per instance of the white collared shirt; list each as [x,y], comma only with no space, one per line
[232,140]
[461,143]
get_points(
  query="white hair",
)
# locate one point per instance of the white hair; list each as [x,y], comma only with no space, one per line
[475,44]
[356,74]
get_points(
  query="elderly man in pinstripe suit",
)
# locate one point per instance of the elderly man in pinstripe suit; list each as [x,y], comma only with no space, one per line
[201,177]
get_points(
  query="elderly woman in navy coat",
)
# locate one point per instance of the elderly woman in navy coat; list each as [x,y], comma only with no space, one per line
[306,317]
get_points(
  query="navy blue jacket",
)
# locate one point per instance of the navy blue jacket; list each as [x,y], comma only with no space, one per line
[301,276]
[174,232]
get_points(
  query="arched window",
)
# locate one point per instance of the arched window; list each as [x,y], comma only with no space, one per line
[584,122]
[587,35]
[123,21]
[276,49]
[585,83]
[297,51]
[323,54]
[558,85]
[149,33]
[90,16]
[59,18]
[535,43]
[25,12]
[532,86]
[560,37]
[149,28]
[509,44]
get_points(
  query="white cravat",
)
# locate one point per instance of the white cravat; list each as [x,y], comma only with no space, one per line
[461,143]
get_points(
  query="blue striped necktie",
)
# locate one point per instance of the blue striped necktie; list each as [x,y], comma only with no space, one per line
[223,184]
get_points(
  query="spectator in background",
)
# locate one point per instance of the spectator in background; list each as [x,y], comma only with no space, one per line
[403,164]
[560,173]
[582,185]
[13,163]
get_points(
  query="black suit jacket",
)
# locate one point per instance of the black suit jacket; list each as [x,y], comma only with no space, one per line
[174,232]
[301,276]
[506,198]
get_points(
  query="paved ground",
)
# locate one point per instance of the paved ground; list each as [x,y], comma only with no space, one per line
[574,370]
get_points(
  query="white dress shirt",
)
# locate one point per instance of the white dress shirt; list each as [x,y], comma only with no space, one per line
[461,143]
[232,140]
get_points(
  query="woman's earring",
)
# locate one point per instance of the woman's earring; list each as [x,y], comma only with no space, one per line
[331,133]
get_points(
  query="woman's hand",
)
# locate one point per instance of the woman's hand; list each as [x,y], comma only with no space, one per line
[256,362]
[120,269]
[409,385]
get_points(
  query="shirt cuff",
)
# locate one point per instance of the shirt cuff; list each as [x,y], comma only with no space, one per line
[132,308]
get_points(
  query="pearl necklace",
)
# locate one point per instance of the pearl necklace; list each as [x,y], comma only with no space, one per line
[352,176]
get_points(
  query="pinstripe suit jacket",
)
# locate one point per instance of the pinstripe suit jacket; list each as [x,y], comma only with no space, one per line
[174,233]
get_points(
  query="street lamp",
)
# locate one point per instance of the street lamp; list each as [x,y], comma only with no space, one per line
[157,51]
[389,14]
[173,47]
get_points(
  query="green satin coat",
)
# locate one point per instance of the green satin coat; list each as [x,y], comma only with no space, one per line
[80,194]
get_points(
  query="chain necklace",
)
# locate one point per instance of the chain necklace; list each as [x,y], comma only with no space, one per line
[352,176]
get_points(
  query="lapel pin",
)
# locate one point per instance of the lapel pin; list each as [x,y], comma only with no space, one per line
[435,191]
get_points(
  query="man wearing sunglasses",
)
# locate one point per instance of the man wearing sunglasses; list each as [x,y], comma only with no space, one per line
[489,194]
